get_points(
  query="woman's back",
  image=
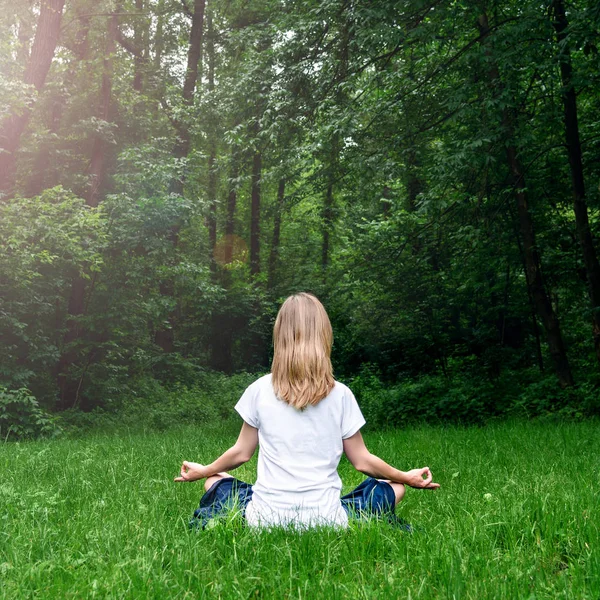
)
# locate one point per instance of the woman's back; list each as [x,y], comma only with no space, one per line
[299,451]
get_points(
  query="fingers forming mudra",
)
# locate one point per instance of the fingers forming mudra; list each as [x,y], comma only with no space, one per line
[190,471]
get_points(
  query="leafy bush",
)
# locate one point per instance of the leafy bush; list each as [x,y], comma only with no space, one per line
[150,405]
[470,397]
[46,242]
[544,397]
[22,417]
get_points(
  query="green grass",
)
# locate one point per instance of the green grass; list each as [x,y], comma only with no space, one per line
[517,517]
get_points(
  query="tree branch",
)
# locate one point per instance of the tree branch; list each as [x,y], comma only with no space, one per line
[128,44]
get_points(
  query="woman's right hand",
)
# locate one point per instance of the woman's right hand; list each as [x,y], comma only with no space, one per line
[191,471]
[420,479]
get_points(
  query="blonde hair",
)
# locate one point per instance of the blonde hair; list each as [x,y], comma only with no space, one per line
[302,338]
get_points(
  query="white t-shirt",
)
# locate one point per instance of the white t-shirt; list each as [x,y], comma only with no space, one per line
[299,452]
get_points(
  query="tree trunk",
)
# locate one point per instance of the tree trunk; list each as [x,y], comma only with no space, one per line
[194,59]
[212,143]
[532,259]
[68,389]
[231,206]
[140,35]
[97,167]
[534,321]
[164,337]
[41,178]
[212,203]
[158,46]
[274,254]
[590,258]
[42,53]
[255,214]
[138,46]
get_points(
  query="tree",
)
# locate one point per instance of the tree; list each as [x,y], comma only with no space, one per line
[164,336]
[532,259]
[573,143]
[42,53]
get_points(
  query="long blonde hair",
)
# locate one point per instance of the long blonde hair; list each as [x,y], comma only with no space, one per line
[302,337]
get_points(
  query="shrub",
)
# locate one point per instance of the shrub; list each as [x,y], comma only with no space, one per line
[22,417]
[148,404]
[470,397]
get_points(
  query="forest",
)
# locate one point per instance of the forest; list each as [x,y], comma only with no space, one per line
[171,170]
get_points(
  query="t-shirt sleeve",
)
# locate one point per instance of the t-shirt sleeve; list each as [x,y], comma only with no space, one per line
[352,417]
[246,406]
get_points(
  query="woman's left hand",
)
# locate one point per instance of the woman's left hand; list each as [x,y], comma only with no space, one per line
[191,471]
[421,479]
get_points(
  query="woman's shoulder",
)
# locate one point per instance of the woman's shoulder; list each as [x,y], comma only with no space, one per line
[341,393]
[260,384]
[264,379]
[261,381]
[341,388]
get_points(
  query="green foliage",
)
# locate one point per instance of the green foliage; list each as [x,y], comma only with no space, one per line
[21,416]
[151,406]
[388,123]
[469,397]
[47,242]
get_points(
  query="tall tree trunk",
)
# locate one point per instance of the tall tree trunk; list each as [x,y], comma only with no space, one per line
[274,254]
[40,59]
[140,38]
[194,59]
[69,390]
[41,178]
[534,319]
[590,257]
[164,337]
[255,213]
[98,161]
[231,206]
[333,167]
[532,259]
[212,143]
[138,46]
[223,326]
[212,203]
[158,47]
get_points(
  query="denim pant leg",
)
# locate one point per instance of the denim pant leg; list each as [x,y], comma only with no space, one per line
[371,497]
[374,498]
[222,496]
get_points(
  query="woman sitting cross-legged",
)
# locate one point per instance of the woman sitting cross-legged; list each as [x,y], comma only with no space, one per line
[302,420]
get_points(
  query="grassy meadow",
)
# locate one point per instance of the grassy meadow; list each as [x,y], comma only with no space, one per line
[99,517]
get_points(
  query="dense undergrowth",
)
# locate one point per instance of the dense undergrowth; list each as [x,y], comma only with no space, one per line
[149,405]
[472,398]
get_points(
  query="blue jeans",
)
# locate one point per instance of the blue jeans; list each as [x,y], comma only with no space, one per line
[371,498]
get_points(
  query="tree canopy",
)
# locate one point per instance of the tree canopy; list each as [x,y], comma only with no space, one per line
[170,170]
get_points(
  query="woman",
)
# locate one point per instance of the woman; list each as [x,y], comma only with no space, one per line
[302,420]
